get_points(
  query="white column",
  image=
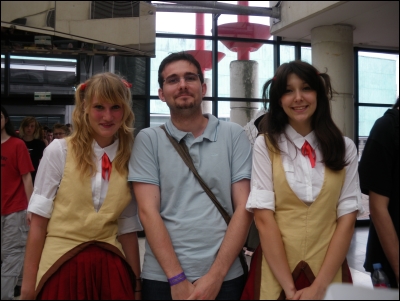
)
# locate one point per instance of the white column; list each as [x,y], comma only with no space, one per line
[332,51]
[68,113]
[206,105]
[243,84]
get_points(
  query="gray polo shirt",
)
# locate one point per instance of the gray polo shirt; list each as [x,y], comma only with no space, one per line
[222,156]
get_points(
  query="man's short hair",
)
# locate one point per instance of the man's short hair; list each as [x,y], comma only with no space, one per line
[179,56]
[62,127]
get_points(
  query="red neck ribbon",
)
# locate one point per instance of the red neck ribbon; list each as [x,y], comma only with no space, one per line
[307,150]
[105,167]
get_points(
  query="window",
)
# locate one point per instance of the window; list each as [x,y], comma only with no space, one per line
[29,74]
[378,89]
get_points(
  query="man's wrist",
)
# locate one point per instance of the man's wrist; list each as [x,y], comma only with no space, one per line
[217,272]
[177,279]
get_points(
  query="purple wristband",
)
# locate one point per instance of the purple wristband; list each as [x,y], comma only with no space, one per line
[177,279]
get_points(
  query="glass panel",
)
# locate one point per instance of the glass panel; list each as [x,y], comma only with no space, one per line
[42,74]
[247,112]
[287,54]
[167,22]
[157,106]
[367,117]
[306,54]
[257,19]
[158,119]
[48,121]
[230,19]
[164,47]
[264,56]
[378,77]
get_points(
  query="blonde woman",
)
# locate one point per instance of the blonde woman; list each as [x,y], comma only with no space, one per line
[30,132]
[83,243]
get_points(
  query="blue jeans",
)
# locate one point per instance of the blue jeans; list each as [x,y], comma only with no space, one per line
[159,290]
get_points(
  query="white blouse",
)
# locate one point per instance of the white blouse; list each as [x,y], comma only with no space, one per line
[305,181]
[48,179]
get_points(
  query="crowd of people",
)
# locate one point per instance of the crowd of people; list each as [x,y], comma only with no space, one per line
[21,153]
[195,185]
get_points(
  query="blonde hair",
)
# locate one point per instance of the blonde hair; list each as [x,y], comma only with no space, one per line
[110,88]
[27,121]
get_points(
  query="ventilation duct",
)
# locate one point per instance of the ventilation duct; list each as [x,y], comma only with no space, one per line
[91,27]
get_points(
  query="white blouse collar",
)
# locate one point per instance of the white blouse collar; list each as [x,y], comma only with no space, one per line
[110,150]
[299,140]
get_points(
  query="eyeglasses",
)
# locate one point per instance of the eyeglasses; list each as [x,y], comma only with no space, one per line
[59,134]
[174,79]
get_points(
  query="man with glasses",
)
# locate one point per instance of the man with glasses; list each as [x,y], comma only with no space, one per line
[60,131]
[190,250]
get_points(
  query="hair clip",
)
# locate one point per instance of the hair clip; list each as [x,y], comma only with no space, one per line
[128,85]
[82,87]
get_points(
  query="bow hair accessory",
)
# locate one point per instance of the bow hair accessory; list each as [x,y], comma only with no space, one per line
[307,150]
[83,86]
[128,85]
[106,167]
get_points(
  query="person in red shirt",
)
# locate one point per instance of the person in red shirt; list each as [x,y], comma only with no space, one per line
[16,189]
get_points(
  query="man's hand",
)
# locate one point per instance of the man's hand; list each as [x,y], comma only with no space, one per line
[206,288]
[182,290]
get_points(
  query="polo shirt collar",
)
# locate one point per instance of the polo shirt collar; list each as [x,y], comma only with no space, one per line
[110,150]
[210,132]
[299,140]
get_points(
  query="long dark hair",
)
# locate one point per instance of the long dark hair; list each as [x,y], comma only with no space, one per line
[8,125]
[274,122]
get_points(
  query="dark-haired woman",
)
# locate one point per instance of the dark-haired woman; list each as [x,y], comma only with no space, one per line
[305,191]
[16,189]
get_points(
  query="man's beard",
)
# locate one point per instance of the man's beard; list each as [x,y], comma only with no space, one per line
[185,106]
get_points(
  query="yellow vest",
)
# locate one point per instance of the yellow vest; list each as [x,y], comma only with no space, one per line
[74,223]
[306,230]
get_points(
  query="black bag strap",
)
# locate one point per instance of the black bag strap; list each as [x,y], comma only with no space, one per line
[183,151]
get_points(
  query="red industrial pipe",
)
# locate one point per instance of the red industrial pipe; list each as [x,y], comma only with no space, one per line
[243,55]
[204,57]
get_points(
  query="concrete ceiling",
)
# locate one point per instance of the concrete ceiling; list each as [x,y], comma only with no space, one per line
[375,23]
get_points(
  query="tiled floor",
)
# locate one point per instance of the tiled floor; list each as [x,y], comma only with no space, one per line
[355,257]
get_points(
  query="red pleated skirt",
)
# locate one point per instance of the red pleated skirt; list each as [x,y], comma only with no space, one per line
[93,274]
[301,278]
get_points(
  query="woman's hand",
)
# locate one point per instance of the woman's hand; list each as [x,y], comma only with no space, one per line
[27,291]
[310,293]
